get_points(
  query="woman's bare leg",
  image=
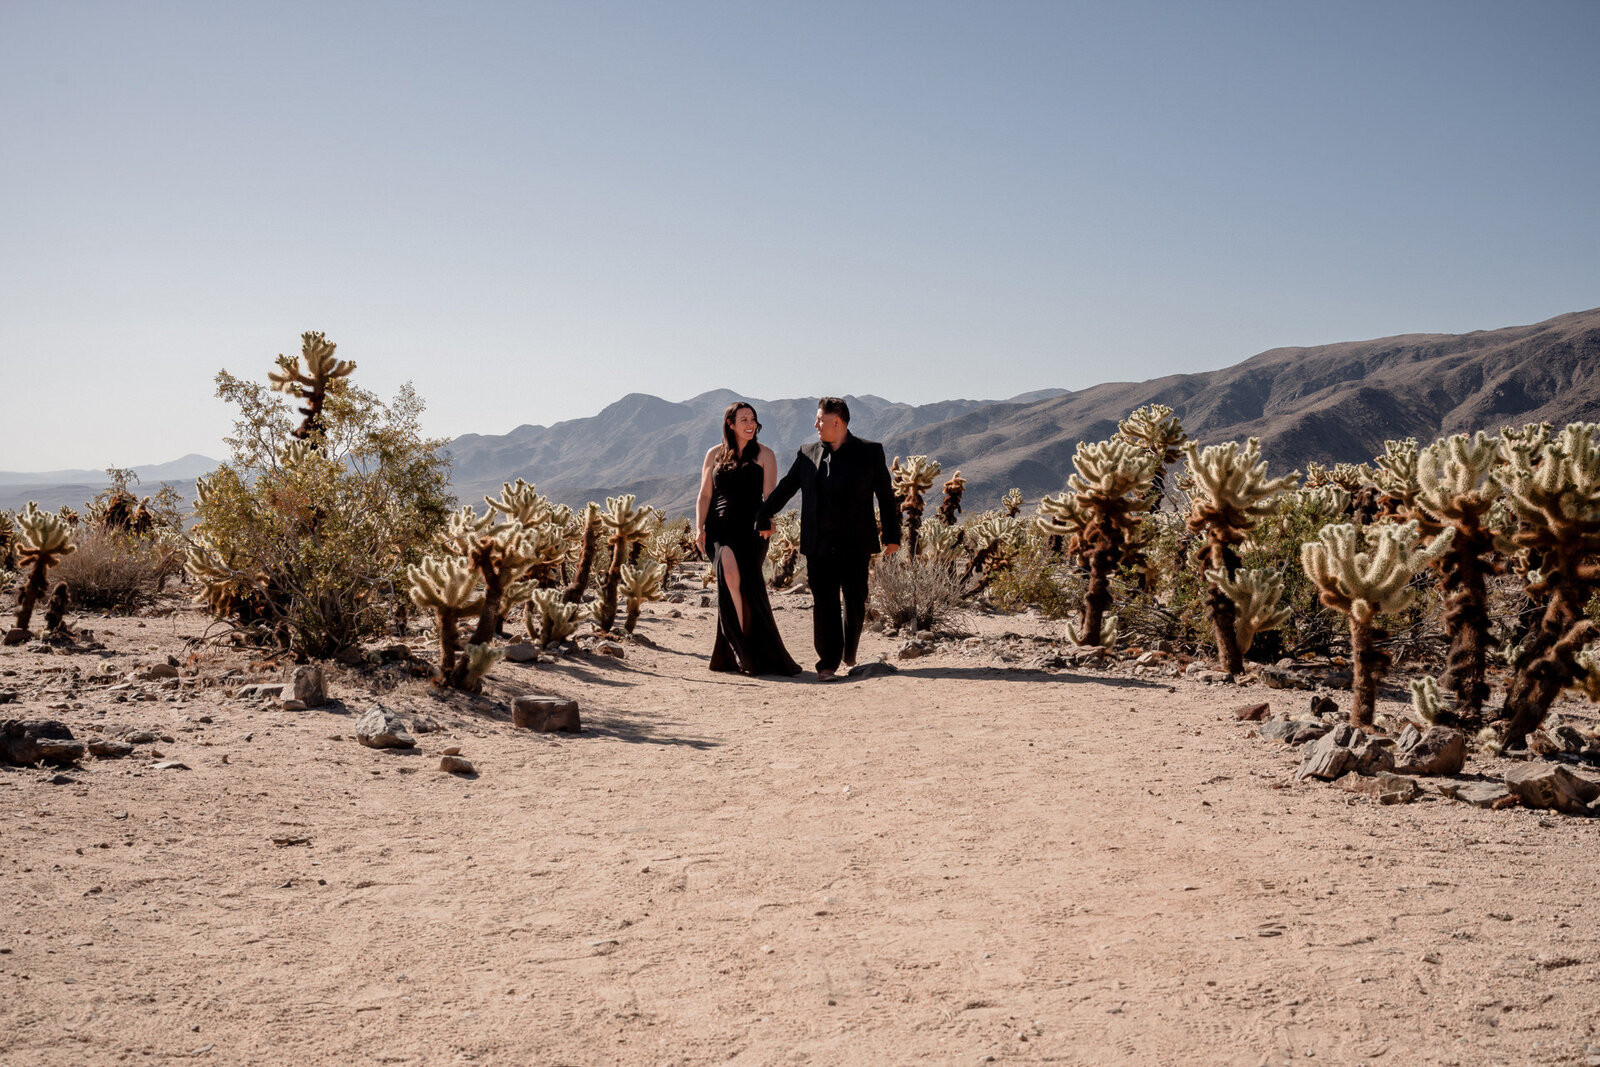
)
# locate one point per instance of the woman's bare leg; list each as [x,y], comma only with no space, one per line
[730,576]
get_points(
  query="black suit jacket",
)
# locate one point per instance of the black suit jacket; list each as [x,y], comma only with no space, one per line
[863,474]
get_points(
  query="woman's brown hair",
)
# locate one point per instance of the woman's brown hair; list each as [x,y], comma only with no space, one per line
[730,456]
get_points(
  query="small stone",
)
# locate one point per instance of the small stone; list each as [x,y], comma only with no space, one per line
[1326,758]
[522,652]
[8,696]
[103,748]
[1252,712]
[453,750]
[306,686]
[1281,678]
[169,765]
[1324,708]
[27,741]
[155,672]
[456,765]
[292,705]
[609,648]
[912,650]
[546,715]
[872,669]
[425,724]
[382,728]
[1440,750]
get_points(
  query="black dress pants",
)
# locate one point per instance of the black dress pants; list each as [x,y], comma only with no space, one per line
[832,575]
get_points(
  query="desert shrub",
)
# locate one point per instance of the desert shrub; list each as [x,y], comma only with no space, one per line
[303,536]
[114,570]
[1037,578]
[922,592]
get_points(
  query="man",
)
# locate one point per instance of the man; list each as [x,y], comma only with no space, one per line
[837,478]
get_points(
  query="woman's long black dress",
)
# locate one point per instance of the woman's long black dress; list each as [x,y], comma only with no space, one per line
[731,524]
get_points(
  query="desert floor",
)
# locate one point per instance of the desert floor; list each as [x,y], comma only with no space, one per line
[967,861]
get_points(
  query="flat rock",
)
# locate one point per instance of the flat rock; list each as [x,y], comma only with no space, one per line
[456,765]
[306,686]
[872,669]
[1478,794]
[169,765]
[609,648]
[1384,787]
[1438,750]
[912,650]
[1295,732]
[155,673]
[28,741]
[104,748]
[1552,785]
[292,705]
[1252,712]
[382,728]
[258,690]
[546,714]
[522,652]
[1284,678]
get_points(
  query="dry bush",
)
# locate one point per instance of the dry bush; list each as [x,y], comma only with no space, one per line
[923,591]
[113,570]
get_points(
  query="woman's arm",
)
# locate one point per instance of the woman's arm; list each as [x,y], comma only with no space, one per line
[703,503]
[769,472]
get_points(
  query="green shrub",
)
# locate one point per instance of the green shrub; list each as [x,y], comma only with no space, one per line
[305,541]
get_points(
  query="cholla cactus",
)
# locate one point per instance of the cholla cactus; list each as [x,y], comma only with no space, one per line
[501,557]
[910,483]
[1011,503]
[625,525]
[783,549]
[549,617]
[55,612]
[522,502]
[1326,501]
[8,540]
[1426,704]
[1256,597]
[950,506]
[1231,493]
[993,540]
[1553,489]
[310,384]
[68,516]
[1455,489]
[1110,494]
[294,453]
[1396,478]
[640,584]
[476,664]
[940,540]
[44,540]
[1159,432]
[587,541]
[449,588]
[1361,584]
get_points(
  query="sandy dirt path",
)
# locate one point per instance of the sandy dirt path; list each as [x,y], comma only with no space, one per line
[965,862]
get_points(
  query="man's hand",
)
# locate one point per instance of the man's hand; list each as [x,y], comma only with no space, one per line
[889,550]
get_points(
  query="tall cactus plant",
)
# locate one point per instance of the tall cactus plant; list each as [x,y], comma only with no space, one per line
[625,526]
[44,540]
[1107,496]
[950,506]
[1231,495]
[1159,432]
[1552,486]
[910,483]
[1363,572]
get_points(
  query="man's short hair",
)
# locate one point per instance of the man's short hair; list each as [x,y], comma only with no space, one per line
[832,405]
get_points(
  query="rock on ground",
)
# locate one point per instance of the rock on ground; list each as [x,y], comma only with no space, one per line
[382,728]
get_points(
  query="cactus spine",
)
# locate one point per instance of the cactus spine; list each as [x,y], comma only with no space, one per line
[1231,494]
[1362,584]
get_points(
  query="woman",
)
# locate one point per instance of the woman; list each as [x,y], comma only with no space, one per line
[736,476]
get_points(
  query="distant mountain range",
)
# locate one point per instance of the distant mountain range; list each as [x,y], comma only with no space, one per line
[1330,403]
[51,489]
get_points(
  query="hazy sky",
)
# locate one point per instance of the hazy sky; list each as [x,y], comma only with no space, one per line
[531,209]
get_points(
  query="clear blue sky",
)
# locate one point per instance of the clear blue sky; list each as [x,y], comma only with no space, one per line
[531,209]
